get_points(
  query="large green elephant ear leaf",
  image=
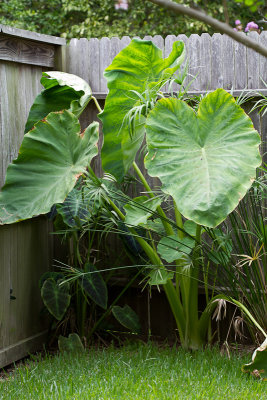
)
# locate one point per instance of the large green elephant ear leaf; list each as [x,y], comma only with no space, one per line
[62,91]
[51,158]
[137,71]
[206,160]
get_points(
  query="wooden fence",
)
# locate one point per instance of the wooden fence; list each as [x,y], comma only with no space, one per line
[26,249]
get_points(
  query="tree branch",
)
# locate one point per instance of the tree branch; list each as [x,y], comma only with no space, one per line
[217,25]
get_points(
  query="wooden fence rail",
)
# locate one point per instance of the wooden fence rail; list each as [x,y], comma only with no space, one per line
[215,61]
[25,248]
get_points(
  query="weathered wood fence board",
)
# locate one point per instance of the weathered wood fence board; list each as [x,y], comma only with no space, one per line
[25,248]
[213,61]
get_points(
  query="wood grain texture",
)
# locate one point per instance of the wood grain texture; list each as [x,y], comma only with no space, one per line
[240,66]
[38,37]
[25,248]
[26,51]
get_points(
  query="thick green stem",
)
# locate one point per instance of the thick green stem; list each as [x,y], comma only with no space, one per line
[97,104]
[167,226]
[169,289]
[179,221]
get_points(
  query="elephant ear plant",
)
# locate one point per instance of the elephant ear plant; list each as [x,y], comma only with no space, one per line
[205,160]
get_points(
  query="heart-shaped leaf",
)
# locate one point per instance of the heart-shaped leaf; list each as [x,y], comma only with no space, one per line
[62,92]
[206,161]
[172,248]
[94,285]
[70,344]
[51,158]
[137,71]
[139,209]
[56,276]
[56,298]
[127,317]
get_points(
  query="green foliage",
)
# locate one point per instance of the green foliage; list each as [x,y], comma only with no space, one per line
[94,285]
[193,153]
[70,344]
[95,18]
[55,138]
[127,317]
[255,5]
[207,160]
[62,92]
[134,78]
[56,297]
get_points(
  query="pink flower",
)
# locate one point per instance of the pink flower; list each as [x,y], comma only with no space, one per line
[237,22]
[121,5]
[252,25]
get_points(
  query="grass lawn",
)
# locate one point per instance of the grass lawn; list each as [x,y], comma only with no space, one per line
[135,371]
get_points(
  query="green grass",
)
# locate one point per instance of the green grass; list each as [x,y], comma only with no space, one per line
[135,371]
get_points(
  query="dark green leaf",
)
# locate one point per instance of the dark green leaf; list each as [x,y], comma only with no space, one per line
[94,286]
[127,317]
[56,298]
[70,344]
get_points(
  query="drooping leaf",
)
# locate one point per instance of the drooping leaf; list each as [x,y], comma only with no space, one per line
[138,70]
[172,248]
[51,157]
[70,344]
[62,91]
[139,209]
[159,276]
[206,161]
[94,286]
[127,317]
[258,366]
[56,297]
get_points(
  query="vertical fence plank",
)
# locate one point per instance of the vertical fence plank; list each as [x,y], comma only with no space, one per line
[94,65]
[228,62]
[195,68]
[253,64]
[5,265]
[72,56]
[159,42]
[184,66]
[216,61]
[263,62]
[205,62]
[240,66]
[105,61]
[114,47]
[168,43]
